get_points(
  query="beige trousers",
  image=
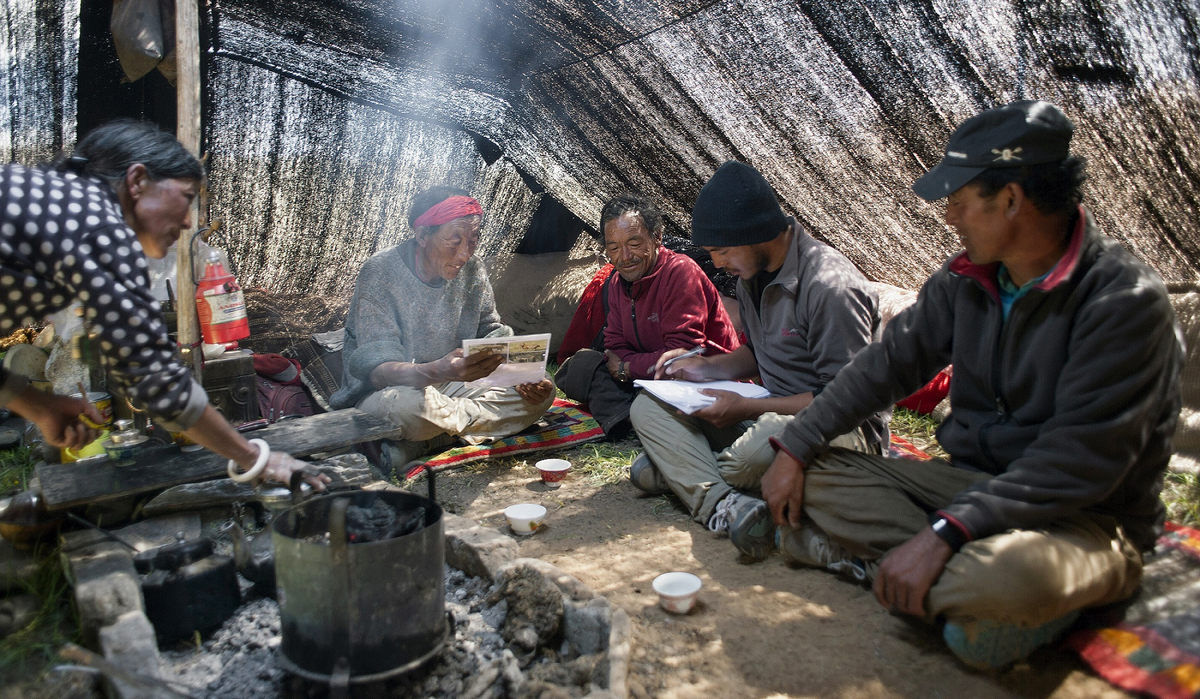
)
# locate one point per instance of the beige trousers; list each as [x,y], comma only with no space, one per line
[703,463]
[870,504]
[476,415]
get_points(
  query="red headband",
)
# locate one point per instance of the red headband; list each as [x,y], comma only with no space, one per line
[448,210]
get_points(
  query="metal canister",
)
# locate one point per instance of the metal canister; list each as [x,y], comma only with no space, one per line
[358,612]
[103,403]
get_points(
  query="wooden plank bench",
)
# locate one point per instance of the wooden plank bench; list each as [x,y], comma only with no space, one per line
[68,485]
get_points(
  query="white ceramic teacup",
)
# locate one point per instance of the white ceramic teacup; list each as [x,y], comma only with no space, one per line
[526,518]
[677,591]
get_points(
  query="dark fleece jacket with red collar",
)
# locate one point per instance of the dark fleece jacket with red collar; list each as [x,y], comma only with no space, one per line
[1071,404]
[673,306]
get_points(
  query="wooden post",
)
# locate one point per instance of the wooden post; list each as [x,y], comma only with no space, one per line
[187,90]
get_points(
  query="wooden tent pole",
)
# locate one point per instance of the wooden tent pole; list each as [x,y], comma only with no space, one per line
[187,91]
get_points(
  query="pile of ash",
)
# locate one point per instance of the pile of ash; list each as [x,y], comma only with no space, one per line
[507,644]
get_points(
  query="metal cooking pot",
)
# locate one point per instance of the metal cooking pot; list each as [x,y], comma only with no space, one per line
[358,612]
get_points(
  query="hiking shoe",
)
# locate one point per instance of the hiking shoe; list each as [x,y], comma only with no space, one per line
[990,645]
[645,476]
[718,523]
[810,546]
[751,527]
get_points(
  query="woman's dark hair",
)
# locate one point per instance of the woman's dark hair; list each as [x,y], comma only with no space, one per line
[632,203]
[108,150]
[430,198]
[1054,188]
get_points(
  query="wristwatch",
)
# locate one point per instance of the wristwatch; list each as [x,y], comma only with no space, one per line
[623,372]
[948,533]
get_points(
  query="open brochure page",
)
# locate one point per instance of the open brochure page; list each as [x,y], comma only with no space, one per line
[686,395]
[524,359]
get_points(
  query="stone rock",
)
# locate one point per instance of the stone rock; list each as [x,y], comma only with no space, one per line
[476,551]
[17,568]
[534,602]
[349,469]
[587,625]
[571,586]
[130,643]
[16,611]
[190,497]
[105,581]
[160,531]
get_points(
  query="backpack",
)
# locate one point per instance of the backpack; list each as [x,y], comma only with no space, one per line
[277,400]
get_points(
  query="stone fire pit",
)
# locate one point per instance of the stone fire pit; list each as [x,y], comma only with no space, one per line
[524,628]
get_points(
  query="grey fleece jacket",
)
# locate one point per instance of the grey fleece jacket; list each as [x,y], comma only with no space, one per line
[396,317]
[1071,404]
[816,314]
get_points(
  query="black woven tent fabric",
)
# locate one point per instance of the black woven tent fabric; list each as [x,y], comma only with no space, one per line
[841,105]
[323,117]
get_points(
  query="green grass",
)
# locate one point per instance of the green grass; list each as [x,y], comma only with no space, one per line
[29,652]
[16,468]
[1181,493]
[604,463]
[918,429]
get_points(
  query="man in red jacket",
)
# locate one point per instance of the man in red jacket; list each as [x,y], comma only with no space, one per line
[658,301]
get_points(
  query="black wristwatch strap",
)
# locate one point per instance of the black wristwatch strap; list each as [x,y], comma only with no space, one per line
[948,531]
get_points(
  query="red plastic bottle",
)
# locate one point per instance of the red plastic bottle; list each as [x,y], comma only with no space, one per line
[219,303]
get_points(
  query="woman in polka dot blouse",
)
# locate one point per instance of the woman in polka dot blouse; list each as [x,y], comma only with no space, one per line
[80,230]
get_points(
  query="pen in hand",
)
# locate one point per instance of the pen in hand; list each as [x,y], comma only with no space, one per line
[690,353]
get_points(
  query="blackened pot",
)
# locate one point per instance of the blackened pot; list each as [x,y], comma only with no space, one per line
[358,612]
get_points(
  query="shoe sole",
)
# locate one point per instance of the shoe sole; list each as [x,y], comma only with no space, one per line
[753,533]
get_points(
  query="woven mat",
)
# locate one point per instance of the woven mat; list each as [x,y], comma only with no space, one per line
[564,424]
[1155,647]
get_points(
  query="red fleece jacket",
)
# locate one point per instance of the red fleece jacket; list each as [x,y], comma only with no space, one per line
[673,306]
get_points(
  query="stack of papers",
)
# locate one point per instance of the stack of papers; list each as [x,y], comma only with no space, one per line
[686,395]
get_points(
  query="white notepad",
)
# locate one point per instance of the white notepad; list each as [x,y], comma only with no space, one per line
[686,395]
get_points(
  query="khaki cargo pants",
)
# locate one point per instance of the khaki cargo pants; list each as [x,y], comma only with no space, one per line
[476,415]
[871,504]
[703,463]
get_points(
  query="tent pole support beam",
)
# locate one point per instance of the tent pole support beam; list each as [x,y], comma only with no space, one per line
[187,95]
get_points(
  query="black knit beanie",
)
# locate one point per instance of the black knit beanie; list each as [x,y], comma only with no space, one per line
[736,207]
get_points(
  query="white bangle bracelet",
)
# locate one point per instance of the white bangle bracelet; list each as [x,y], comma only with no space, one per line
[260,464]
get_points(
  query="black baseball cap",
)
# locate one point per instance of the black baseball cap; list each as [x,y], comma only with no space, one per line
[1028,132]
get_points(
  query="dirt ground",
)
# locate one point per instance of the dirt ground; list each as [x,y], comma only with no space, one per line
[761,629]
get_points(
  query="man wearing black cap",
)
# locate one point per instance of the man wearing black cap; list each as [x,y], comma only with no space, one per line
[806,311]
[1066,356]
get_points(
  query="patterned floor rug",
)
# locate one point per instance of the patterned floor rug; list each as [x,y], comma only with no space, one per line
[564,424]
[1152,644]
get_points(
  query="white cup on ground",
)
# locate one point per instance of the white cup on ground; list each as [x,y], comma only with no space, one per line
[526,518]
[553,471]
[677,591]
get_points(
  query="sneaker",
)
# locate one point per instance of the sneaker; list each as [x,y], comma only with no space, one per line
[990,645]
[645,476]
[751,527]
[811,547]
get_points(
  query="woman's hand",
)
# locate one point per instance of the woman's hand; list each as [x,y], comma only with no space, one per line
[281,466]
[535,393]
[456,367]
[58,417]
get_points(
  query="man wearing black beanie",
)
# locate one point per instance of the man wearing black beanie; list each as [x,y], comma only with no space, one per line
[806,311]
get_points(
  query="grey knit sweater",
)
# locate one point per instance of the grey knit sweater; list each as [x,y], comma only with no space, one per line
[396,317]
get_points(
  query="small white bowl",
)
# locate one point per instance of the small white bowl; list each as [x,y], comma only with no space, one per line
[526,518]
[677,591]
[553,471]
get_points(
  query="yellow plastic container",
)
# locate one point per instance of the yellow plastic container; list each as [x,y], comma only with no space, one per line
[90,449]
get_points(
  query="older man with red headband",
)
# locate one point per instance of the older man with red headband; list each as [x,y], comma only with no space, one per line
[413,306]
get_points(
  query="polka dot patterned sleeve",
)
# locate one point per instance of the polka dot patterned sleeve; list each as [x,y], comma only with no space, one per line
[63,238]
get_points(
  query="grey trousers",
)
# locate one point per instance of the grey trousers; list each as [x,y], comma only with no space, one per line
[703,463]
[476,415]
[871,504]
